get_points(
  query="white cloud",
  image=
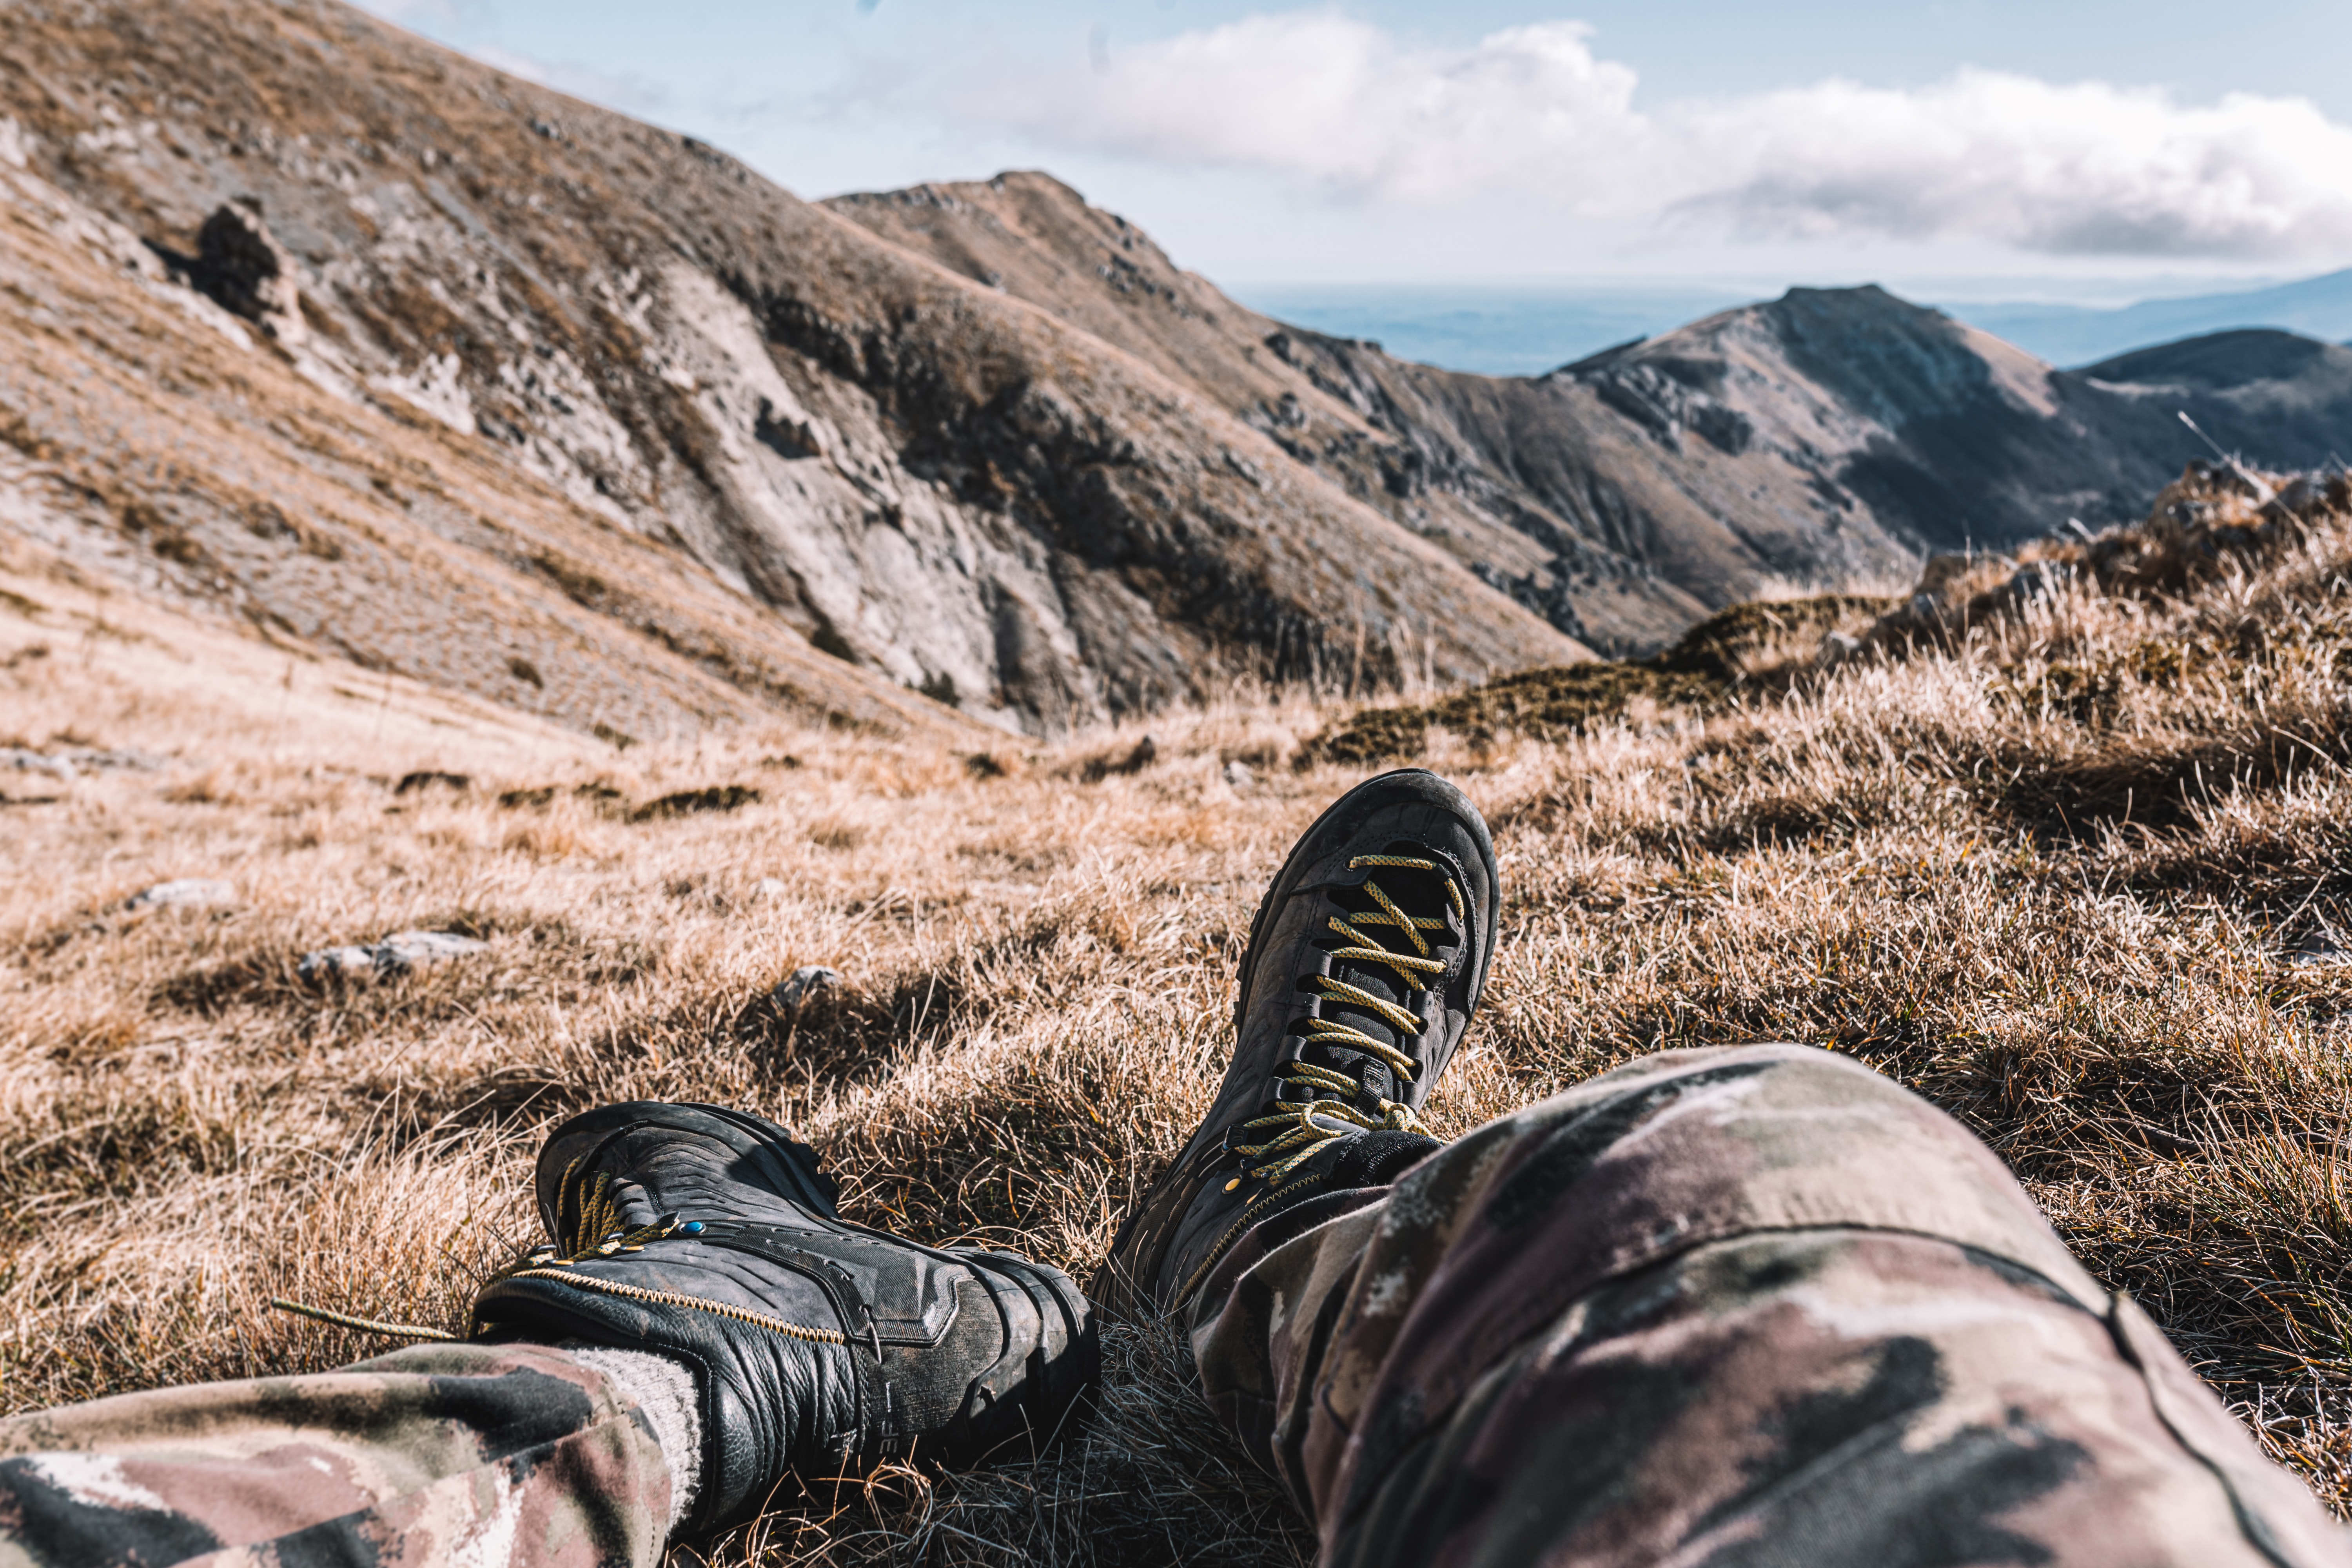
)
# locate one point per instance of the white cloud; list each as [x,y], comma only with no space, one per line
[1336,101]
[1355,113]
[2085,169]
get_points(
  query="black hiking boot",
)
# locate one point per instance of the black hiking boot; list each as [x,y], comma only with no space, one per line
[818,1346]
[1365,962]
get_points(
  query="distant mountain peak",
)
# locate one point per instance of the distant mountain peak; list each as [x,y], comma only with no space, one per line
[2317,307]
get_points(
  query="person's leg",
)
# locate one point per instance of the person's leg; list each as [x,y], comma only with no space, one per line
[1746,1306]
[721,1329]
[1752,1306]
[487,1454]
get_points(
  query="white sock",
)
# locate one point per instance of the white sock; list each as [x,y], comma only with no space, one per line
[663,1387]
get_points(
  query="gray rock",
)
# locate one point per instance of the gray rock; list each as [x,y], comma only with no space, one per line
[398,953]
[185,893]
[407,949]
[336,963]
[2302,496]
[770,888]
[25,761]
[2321,947]
[1238,775]
[248,272]
[70,762]
[806,979]
[128,758]
[1836,649]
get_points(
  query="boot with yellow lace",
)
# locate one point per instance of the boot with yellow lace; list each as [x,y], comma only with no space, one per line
[1365,962]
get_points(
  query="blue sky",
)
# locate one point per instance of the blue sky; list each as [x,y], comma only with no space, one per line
[2093,149]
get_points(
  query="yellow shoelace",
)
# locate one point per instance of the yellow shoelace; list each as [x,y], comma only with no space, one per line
[598,1234]
[1292,1134]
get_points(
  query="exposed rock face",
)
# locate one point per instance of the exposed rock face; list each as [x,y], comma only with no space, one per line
[244,267]
[1432,450]
[900,469]
[150,439]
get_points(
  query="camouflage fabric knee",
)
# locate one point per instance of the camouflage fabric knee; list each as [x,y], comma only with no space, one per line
[1744,1306]
[487,1454]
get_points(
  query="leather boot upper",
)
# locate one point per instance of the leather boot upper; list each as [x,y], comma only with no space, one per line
[819,1346]
[1365,962]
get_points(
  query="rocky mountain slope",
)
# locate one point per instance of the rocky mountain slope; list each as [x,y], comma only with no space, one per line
[152,441]
[850,449]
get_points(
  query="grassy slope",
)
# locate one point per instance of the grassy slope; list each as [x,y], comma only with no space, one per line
[1929,863]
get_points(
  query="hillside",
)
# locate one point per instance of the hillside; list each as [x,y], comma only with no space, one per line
[635,337]
[2256,391]
[152,444]
[2077,874]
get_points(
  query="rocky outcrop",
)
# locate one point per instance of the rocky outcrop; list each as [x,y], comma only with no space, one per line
[2216,513]
[245,270]
[150,439]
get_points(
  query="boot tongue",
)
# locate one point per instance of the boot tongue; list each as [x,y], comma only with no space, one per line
[633,1207]
[1377,1080]
[669,1172]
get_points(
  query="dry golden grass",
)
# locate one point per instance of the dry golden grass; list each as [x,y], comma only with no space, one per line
[2055,875]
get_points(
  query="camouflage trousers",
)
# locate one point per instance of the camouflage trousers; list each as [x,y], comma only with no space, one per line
[1753,1307]
[458,1454]
[1732,1307]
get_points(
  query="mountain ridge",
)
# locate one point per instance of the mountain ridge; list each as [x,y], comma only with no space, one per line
[1831,438]
[2077,336]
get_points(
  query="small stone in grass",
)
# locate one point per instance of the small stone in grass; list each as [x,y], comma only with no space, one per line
[2322,946]
[805,981]
[770,888]
[25,760]
[398,953]
[72,762]
[185,893]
